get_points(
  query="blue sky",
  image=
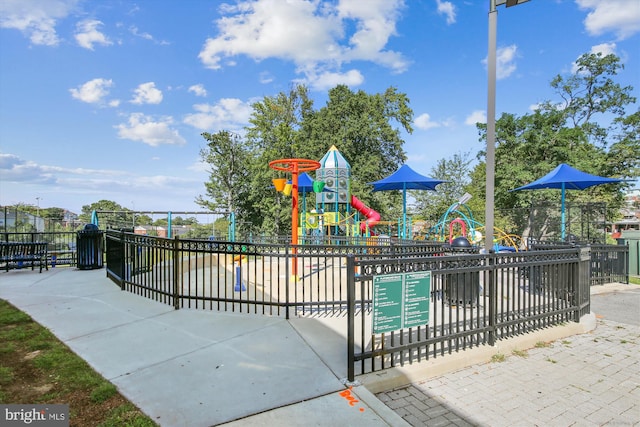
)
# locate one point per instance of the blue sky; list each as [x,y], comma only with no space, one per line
[108,99]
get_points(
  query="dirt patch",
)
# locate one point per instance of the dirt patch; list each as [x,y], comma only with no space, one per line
[54,374]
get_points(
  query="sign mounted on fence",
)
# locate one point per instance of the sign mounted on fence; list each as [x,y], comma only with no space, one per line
[401,301]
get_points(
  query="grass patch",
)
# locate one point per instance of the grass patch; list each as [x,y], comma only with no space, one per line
[125,415]
[103,392]
[520,353]
[498,357]
[37,368]
[542,344]
[634,280]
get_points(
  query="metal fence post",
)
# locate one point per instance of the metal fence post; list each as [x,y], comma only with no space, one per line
[582,298]
[351,308]
[176,272]
[287,280]
[122,260]
[493,299]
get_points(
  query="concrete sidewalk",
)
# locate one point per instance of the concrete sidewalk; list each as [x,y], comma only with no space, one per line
[203,368]
[195,368]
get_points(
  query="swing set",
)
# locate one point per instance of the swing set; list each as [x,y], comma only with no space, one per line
[95,218]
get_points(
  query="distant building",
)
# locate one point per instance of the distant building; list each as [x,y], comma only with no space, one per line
[630,215]
[70,219]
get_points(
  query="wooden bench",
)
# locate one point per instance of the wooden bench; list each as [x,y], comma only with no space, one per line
[16,254]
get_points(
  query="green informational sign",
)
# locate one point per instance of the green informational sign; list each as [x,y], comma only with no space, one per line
[401,301]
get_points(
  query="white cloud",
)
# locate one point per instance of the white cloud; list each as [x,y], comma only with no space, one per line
[227,114]
[622,17]
[15,169]
[375,21]
[198,90]
[146,36]
[311,34]
[36,19]
[266,77]
[62,185]
[447,9]
[603,48]
[87,34]
[424,122]
[505,61]
[93,91]
[147,93]
[152,132]
[478,116]
[327,80]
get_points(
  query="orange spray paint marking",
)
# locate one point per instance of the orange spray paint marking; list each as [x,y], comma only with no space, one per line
[346,394]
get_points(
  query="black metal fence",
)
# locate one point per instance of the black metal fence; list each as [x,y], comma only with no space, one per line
[270,278]
[609,264]
[472,300]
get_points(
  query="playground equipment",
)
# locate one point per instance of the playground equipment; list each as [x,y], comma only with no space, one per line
[294,167]
[336,202]
[373,217]
[445,230]
[337,211]
[405,179]
[463,216]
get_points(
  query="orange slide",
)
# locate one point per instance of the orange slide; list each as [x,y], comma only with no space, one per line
[373,217]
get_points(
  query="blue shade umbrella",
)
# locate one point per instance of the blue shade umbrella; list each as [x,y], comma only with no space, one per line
[405,179]
[305,182]
[564,177]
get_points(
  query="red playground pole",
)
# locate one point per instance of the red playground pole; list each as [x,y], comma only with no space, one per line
[294,166]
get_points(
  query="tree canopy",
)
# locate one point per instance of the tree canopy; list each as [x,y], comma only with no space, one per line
[431,205]
[365,128]
[588,129]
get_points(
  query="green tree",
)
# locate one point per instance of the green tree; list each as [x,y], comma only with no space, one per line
[142,219]
[113,215]
[455,170]
[274,133]
[228,158]
[624,157]
[367,130]
[53,214]
[588,129]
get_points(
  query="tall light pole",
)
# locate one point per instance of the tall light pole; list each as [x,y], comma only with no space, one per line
[37,217]
[491,120]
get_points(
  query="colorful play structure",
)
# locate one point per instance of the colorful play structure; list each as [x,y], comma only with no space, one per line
[339,212]
[336,211]
[458,221]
